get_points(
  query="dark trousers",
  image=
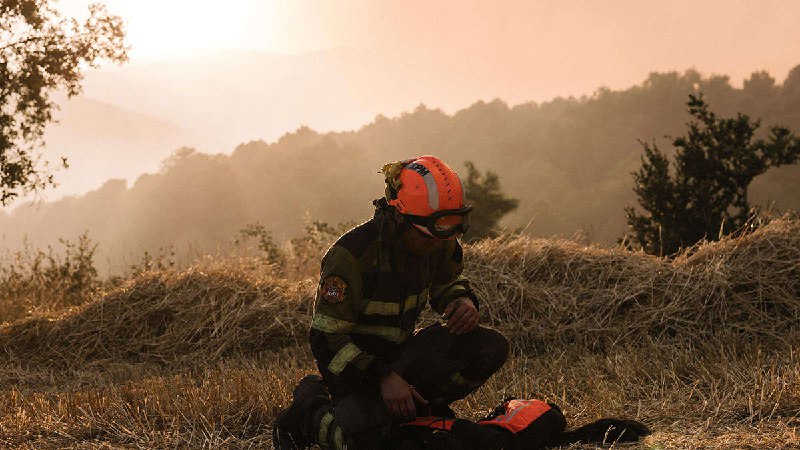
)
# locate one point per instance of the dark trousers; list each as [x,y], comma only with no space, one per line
[441,366]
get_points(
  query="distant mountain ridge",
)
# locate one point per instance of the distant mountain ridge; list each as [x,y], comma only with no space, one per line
[240,95]
[102,141]
[568,161]
[91,117]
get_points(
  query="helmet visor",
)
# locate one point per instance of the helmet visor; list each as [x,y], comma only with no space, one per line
[446,224]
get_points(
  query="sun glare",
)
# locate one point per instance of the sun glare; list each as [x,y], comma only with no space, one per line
[157,27]
[185,25]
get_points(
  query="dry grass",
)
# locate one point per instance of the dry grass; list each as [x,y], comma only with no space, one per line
[225,405]
[701,348]
[690,401]
[559,291]
[204,312]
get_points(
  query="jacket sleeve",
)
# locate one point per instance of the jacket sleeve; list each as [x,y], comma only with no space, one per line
[448,282]
[336,311]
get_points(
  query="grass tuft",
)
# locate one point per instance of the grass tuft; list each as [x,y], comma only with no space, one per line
[702,348]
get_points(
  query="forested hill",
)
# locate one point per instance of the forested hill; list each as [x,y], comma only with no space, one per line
[567,160]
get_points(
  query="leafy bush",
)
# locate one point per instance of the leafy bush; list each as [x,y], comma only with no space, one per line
[300,257]
[483,192]
[705,196]
[37,280]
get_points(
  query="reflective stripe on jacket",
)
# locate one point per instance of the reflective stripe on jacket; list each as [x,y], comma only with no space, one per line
[356,336]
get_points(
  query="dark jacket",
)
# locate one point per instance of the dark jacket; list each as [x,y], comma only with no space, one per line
[370,296]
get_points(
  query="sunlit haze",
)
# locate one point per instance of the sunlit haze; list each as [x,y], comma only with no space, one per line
[524,50]
[612,213]
[212,75]
[158,28]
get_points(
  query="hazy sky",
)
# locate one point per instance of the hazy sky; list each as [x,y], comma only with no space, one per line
[551,47]
[388,57]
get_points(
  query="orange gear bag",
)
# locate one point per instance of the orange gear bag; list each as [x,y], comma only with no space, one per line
[518,414]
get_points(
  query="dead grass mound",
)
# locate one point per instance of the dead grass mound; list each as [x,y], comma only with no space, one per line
[559,291]
[164,316]
[539,292]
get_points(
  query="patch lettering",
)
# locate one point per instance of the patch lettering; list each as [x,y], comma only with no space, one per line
[333,289]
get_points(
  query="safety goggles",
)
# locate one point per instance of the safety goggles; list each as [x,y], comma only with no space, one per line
[444,224]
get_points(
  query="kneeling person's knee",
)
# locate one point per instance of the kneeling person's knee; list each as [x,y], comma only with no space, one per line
[488,352]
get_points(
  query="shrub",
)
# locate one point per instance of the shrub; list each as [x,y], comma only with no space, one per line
[45,280]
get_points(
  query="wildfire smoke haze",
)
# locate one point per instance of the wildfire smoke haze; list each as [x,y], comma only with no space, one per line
[161,295]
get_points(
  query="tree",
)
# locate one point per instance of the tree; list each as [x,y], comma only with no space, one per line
[41,52]
[483,192]
[705,196]
[790,94]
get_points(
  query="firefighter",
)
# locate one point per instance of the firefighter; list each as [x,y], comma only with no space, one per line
[374,283]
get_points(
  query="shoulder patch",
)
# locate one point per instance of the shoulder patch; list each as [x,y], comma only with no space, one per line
[333,289]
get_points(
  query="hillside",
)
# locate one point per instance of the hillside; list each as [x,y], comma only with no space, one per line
[699,348]
[568,161]
[543,292]
[261,95]
[102,141]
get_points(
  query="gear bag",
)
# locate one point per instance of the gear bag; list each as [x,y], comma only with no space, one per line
[513,425]
[531,424]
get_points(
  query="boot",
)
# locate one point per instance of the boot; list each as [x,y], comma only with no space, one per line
[292,427]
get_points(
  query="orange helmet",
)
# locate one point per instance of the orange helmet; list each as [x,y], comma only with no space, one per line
[428,193]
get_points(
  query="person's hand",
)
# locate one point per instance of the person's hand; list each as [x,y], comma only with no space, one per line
[461,316]
[399,396]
